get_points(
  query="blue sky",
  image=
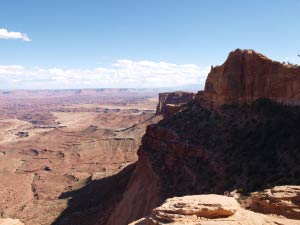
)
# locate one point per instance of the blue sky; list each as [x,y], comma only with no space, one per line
[136,43]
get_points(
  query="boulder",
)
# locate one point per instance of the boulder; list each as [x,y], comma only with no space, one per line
[280,200]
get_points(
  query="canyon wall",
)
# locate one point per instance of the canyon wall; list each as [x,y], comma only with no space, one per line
[141,195]
[204,149]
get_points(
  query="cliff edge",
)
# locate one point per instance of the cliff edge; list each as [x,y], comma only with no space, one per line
[203,149]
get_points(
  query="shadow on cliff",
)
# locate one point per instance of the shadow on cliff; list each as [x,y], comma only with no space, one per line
[93,203]
[247,147]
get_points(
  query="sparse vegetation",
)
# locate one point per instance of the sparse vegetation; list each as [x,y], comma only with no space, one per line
[258,144]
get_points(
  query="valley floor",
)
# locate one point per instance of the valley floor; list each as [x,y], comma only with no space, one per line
[51,150]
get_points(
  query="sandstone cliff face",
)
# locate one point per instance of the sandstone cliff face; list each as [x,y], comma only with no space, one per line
[204,150]
[141,195]
[247,75]
[200,151]
[170,102]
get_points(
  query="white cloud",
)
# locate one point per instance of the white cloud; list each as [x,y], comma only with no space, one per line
[122,73]
[5,34]
[11,69]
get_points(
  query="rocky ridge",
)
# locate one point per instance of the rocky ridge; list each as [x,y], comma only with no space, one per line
[248,142]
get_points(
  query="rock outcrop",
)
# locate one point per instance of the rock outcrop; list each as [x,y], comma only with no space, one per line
[171,102]
[208,210]
[207,206]
[280,200]
[247,75]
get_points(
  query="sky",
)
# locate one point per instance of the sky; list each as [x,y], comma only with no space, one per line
[55,44]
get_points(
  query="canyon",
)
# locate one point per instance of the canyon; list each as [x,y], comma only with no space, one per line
[58,145]
[228,154]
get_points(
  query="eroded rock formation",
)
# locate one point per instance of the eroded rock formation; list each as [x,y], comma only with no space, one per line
[171,102]
[247,75]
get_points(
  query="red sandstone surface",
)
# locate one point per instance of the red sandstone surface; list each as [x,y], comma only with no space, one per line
[247,75]
[213,209]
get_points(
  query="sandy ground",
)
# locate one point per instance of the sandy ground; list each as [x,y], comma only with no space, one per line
[75,120]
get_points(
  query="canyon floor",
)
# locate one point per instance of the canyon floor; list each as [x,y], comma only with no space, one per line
[56,145]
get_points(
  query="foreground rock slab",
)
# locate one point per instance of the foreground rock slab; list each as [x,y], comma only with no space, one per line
[208,210]
[208,206]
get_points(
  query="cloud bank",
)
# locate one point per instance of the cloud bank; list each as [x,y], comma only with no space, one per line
[5,34]
[122,73]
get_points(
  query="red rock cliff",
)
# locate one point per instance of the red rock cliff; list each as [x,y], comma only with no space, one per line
[201,150]
[247,75]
